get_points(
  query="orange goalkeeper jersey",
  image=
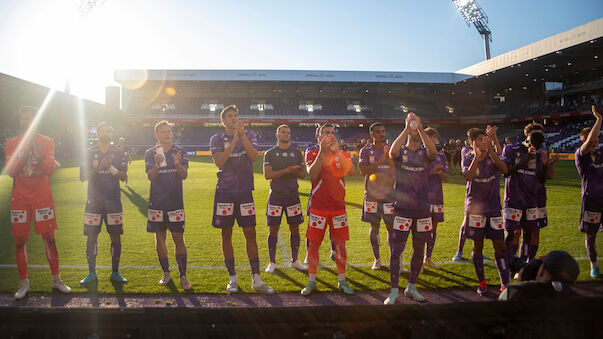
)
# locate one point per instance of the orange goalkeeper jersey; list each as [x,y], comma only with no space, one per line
[30,176]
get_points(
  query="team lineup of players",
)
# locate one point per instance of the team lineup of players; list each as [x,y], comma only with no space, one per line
[403,187]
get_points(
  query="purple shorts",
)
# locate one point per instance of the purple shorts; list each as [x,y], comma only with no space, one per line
[109,211]
[159,220]
[590,219]
[373,211]
[478,227]
[418,222]
[525,219]
[437,213]
[290,206]
[229,206]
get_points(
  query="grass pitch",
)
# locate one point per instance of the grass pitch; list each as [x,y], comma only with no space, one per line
[206,268]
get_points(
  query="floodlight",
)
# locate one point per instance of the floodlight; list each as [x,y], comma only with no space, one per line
[472,13]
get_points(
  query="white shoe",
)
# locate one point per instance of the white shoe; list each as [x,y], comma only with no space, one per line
[458,256]
[23,289]
[271,267]
[298,266]
[167,277]
[411,292]
[392,297]
[376,265]
[261,287]
[186,285]
[59,284]
[232,287]
[128,186]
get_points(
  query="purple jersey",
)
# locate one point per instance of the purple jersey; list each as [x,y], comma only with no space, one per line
[482,195]
[522,187]
[278,159]
[411,180]
[103,186]
[590,168]
[466,150]
[236,175]
[166,188]
[368,155]
[435,193]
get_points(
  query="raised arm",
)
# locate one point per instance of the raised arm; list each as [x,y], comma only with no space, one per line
[594,132]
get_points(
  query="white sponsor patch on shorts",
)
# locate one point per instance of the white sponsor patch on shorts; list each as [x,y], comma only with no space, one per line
[224,208]
[591,217]
[513,214]
[370,207]
[18,216]
[340,221]
[294,210]
[496,223]
[247,209]
[437,208]
[317,221]
[44,214]
[274,210]
[542,213]
[114,219]
[155,215]
[477,221]
[92,219]
[388,208]
[176,215]
[402,224]
[532,214]
[424,225]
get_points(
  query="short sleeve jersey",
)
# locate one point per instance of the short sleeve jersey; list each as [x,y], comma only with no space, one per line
[103,186]
[31,184]
[482,195]
[436,194]
[368,155]
[412,180]
[521,188]
[328,190]
[166,188]
[590,168]
[236,175]
[278,159]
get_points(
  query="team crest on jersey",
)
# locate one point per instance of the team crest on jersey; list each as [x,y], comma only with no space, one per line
[371,158]
[404,157]
[340,221]
[226,144]
[44,214]
[95,163]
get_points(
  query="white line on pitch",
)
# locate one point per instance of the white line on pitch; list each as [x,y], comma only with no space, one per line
[147,267]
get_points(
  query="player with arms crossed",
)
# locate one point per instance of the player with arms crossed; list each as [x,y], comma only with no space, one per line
[411,205]
[234,151]
[30,162]
[104,166]
[167,165]
[481,168]
[589,162]
[327,167]
[283,165]
[378,171]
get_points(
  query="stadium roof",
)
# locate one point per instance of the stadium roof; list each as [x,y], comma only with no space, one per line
[576,36]
[286,75]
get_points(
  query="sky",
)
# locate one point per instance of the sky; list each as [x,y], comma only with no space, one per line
[49,42]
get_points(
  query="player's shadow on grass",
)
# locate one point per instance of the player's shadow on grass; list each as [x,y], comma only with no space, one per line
[172,287]
[352,204]
[283,275]
[435,273]
[372,276]
[141,203]
[357,285]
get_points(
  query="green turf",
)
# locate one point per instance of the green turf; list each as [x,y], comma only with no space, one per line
[203,241]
